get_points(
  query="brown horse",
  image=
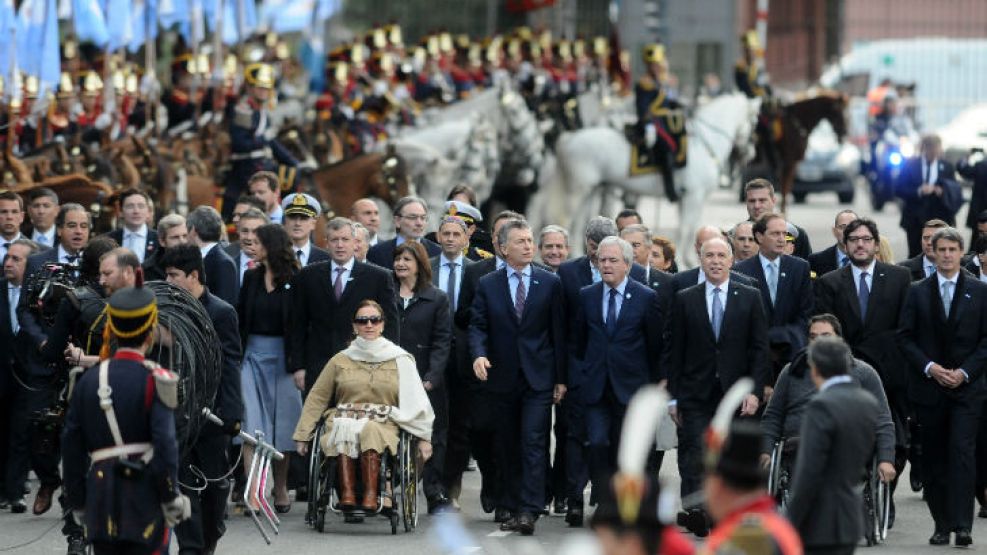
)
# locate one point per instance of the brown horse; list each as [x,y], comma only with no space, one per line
[381,175]
[798,120]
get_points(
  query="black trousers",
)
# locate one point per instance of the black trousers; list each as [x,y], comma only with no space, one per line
[555,483]
[830,550]
[485,421]
[949,436]
[31,395]
[524,417]
[6,401]
[604,420]
[981,486]
[202,531]
[432,474]
[576,465]
[914,236]
[457,433]
[695,419]
[121,548]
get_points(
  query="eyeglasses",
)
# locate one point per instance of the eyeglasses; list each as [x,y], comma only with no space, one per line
[866,239]
[415,217]
[364,320]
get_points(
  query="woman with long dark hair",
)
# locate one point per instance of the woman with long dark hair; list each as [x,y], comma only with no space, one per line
[272,398]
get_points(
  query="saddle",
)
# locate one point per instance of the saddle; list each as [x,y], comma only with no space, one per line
[672,136]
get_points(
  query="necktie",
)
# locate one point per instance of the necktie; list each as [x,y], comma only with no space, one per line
[717,312]
[947,296]
[519,296]
[863,294]
[844,260]
[42,239]
[772,278]
[612,312]
[300,253]
[337,287]
[72,258]
[451,285]
[13,298]
[929,270]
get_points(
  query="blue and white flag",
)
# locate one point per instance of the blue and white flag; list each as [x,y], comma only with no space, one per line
[231,20]
[119,23]
[8,46]
[141,21]
[37,42]
[90,24]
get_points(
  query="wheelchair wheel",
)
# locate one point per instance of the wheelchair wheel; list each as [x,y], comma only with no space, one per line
[408,483]
[314,478]
[872,506]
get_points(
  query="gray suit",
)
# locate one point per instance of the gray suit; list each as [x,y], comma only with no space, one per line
[837,442]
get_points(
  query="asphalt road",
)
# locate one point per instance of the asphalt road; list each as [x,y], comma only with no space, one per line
[476,531]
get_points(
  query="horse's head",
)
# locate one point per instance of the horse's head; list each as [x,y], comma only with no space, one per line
[393,176]
[835,112]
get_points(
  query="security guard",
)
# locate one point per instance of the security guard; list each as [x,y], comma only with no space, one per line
[661,119]
[121,427]
[480,245]
[252,138]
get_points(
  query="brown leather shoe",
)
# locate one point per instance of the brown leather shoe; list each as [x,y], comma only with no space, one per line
[347,481]
[370,471]
[43,501]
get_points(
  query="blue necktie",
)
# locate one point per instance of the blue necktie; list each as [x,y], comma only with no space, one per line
[772,279]
[863,295]
[947,296]
[717,313]
[612,312]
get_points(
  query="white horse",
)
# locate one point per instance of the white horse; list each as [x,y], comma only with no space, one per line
[593,162]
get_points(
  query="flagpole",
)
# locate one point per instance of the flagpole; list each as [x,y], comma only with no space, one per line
[151,65]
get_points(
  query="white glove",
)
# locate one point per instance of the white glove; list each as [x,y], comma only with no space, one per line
[176,510]
[650,135]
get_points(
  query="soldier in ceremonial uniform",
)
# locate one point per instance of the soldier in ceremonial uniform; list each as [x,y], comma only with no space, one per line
[750,78]
[252,139]
[120,452]
[660,118]
[180,102]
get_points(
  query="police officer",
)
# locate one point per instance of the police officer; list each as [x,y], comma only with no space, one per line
[252,138]
[660,118]
[121,427]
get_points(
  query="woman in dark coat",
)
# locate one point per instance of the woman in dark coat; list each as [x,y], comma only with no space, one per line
[426,333]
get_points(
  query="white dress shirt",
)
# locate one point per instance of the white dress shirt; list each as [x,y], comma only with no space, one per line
[619,299]
[245,261]
[702,276]
[136,241]
[277,216]
[13,296]
[63,256]
[306,251]
[870,276]
[347,272]
[930,170]
[4,243]
[842,378]
[205,248]
[709,297]
[46,238]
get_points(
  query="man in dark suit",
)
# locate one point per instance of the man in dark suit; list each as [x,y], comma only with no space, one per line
[448,270]
[617,346]
[11,218]
[759,196]
[923,264]
[42,209]
[834,257]
[172,232]
[944,337]
[930,190]
[693,276]
[410,219]
[639,236]
[135,206]
[837,441]
[718,334]
[869,314]
[246,232]
[786,290]
[301,212]
[201,532]
[517,337]
[204,228]
[324,298]
[72,226]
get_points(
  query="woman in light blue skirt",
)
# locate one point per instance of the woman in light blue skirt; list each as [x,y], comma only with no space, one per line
[272,401]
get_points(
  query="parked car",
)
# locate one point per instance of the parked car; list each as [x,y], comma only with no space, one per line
[828,166]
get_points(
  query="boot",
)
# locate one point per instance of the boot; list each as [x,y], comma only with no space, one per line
[370,470]
[347,481]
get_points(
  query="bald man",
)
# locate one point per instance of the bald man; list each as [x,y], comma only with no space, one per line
[365,212]
[696,275]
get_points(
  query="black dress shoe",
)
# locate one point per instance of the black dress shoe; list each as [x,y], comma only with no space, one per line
[18,506]
[487,503]
[526,524]
[77,545]
[561,506]
[695,521]
[939,538]
[511,524]
[574,517]
[963,538]
[438,504]
[502,515]
[915,481]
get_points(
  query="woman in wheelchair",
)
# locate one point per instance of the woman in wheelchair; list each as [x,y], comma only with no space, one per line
[367,393]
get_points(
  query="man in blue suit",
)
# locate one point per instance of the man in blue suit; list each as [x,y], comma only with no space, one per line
[517,337]
[617,347]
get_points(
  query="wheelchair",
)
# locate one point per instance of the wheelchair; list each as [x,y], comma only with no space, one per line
[781,470]
[399,477]
[877,506]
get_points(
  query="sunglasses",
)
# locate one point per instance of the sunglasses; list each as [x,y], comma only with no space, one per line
[364,320]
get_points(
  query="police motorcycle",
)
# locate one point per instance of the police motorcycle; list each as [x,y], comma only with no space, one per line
[893,142]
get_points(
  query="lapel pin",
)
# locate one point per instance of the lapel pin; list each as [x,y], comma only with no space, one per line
[783,274]
[967,295]
[735,292]
[287,286]
[627,296]
[534,281]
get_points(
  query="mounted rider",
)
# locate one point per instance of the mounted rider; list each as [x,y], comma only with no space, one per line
[661,118]
[752,80]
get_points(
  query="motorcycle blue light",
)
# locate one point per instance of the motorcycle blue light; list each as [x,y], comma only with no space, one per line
[895,158]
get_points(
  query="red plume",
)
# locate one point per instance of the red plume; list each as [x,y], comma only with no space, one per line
[139,277]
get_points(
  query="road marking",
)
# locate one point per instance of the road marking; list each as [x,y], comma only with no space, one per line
[499,534]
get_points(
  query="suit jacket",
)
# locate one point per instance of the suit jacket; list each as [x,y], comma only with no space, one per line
[661,283]
[471,277]
[532,350]
[221,276]
[321,326]
[426,325]
[823,262]
[870,339]
[629,357]
[228,404]
[253,280]
[919,209]
[959,341]
[8,345]
[836,443]
[382,254]
[915,266]
[690,277]
[788,317]
[696,360]
[151,244]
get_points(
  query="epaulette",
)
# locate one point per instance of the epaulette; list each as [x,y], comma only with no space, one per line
[243,115]
[165,384]
[483,253]
[750,537]
[646,82]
